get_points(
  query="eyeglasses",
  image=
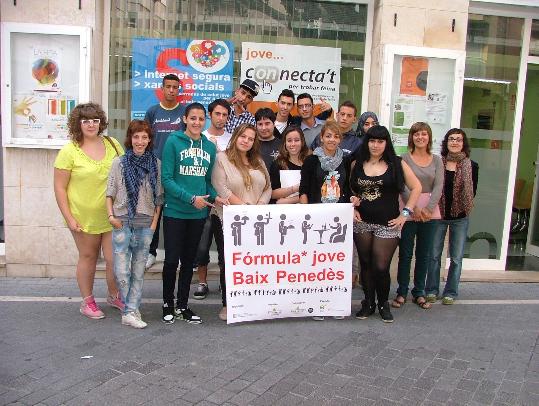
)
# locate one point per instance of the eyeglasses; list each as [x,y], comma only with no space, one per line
[88,121]
[305,106]
[455,139]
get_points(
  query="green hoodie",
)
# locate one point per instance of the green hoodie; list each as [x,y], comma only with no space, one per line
[186,169]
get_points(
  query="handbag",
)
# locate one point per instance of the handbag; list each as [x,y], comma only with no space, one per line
[423,201]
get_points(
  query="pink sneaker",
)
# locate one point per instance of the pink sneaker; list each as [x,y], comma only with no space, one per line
[116,302]
[90,309]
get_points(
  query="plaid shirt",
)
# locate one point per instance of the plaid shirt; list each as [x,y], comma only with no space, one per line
[234,120]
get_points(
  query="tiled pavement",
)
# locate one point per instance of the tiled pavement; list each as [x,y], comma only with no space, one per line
[468,354]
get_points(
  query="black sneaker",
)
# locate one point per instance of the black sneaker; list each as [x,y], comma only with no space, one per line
[187,315]
[365,311]
[201,291]
[168,314]
[385,313]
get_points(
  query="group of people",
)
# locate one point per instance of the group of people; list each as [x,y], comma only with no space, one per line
[175,171]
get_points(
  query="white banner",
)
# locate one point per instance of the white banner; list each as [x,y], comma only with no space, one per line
[302,69]
[288,260]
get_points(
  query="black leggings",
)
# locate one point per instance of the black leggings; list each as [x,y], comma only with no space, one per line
[217,229]
[375,256]
[181,238]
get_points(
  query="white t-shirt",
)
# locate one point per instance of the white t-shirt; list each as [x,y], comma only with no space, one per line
[221,141]
[280,125]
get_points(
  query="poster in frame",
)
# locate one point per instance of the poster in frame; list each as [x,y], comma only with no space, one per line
[45,74]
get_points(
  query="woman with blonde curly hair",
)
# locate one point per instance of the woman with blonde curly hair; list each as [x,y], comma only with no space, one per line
[240,177]
[80,181]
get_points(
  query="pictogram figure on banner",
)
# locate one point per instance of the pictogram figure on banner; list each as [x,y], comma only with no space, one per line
[236,228]
[305,225]
[259,228]
[283,228]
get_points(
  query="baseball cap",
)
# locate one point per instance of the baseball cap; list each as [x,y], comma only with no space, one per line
[251,86]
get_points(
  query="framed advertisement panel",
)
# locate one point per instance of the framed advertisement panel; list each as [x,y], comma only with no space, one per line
[45,73]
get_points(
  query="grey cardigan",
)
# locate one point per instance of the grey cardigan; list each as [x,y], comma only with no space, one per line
[116,189]
[431,178]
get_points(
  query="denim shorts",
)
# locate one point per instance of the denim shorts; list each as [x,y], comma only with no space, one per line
[377,230]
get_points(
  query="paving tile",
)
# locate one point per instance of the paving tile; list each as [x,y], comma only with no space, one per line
[272,363]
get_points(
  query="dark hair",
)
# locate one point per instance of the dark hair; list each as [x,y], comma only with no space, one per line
[284,155]
[265,112]
[416,127]
[348,103]
[136,126]
[219,102]
[379,132]
[305,96]
[287,93]
[171,76]
[82,111]
[193,106]
[465,143]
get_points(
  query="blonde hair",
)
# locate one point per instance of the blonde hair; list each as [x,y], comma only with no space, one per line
[253,156]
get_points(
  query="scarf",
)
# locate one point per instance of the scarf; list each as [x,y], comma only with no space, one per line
[135,169]
[328,163]
[361,122]
[462,185]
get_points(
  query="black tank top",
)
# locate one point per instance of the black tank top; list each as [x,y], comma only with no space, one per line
[379,195]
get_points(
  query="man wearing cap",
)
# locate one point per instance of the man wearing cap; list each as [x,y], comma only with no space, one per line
[244,95]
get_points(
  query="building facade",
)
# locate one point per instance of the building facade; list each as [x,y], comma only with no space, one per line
[482,59]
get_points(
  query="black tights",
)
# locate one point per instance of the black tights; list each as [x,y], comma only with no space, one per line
[375,256]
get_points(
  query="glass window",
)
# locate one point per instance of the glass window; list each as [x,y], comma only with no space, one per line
[493,48]
[301,22]
[534,41]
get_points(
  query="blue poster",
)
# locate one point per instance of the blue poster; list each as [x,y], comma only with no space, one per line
[204,67]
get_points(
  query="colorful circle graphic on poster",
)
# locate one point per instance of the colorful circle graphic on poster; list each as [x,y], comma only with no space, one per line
[207,56]
[45,71]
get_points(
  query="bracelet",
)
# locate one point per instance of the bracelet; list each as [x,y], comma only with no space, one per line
[111,215]
[193,200]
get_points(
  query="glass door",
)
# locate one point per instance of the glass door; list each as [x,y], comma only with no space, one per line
[532,243]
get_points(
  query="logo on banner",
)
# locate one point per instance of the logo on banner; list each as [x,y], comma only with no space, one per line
[207,56]
[338,234]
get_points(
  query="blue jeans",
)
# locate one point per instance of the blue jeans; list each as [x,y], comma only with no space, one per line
[422,233]
[458,233]
[131,246]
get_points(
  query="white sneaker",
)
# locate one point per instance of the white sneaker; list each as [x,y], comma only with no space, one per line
[318,318]
[150,261]
[338,317]
[131,319]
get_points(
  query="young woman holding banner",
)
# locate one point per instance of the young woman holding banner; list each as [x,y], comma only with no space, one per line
[240,177]
[292,154]
[324,174]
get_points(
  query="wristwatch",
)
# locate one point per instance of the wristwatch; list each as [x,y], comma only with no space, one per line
[406,212]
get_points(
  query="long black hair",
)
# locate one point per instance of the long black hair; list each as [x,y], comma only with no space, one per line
[389,156]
